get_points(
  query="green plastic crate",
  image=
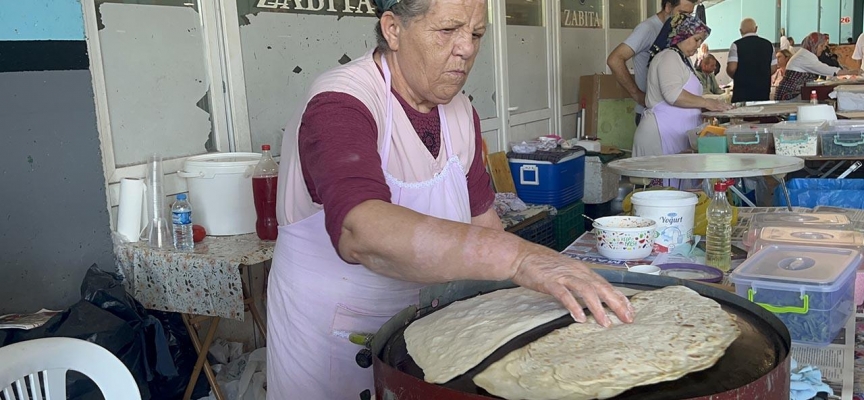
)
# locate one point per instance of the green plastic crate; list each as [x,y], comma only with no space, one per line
[569,224]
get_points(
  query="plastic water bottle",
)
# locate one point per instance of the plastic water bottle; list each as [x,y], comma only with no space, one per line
[264,188]
[181,218]
[718,246]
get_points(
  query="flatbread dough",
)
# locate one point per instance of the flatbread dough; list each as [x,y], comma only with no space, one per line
[449,342]
[676,332]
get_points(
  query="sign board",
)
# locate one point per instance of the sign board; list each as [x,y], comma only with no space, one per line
[582,14]
[845,20]
[359,8]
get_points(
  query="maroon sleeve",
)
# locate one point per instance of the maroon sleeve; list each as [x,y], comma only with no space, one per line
[339,157]
[479,184]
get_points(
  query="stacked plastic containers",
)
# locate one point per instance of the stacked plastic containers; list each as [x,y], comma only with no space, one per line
[794,138]
[803,268]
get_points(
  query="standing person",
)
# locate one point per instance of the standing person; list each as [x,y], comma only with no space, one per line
[858,54]
[751,64]
[804,66]
[784,41]
[638,45]
[382,190]
[674,95]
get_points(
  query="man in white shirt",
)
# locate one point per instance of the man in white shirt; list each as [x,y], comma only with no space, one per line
[859,51]
[638,45]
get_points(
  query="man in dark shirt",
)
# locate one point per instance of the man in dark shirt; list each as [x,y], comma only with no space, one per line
[751,63]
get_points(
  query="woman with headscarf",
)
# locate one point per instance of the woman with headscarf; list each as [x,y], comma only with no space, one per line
[382,191]
[674,96]
[804,66]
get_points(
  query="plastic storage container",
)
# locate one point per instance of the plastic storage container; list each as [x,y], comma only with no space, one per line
[220,191]
[542,182]
[710,144]
[796,138]
[807,236]
[834,221]
[808,288]
[750,138]
[844,138]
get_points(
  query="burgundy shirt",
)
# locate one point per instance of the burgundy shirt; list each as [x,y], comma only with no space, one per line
[337,126]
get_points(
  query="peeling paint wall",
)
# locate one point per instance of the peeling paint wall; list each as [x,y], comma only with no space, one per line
[284,52]
[155,92]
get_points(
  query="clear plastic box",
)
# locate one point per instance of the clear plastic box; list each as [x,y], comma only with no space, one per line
[843,138]
[808,288]
[807,236]
[793,138]
[827,220]
[749,138]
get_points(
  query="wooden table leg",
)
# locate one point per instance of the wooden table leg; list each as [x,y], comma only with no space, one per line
[249,302]
[202,349]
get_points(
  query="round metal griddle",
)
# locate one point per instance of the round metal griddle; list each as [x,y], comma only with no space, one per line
[755,366]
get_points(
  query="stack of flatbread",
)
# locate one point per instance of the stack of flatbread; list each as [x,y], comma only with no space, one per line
[676,332]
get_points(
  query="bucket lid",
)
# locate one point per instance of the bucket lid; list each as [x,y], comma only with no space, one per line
[222,162]
[664,198]
[798,265]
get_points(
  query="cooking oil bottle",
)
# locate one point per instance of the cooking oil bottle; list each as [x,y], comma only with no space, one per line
[718,246]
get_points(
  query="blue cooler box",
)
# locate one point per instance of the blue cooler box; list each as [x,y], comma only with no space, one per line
[542,182]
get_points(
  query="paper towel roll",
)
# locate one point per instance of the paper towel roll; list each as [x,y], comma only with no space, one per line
[130,209]
[816,112]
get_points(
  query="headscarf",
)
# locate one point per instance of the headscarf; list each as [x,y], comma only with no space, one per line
[383,5]
[686,26]
[681,28]
[812,41]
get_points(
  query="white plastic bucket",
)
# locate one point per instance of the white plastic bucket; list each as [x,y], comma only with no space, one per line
[673,210]
[220,191]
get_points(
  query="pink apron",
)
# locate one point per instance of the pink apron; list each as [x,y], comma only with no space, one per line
[674,122]
[315,299]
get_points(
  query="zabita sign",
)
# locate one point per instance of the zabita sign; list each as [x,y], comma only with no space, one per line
[582,14]
[358,8]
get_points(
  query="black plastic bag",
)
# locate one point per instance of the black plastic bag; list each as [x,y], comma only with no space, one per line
[154,345]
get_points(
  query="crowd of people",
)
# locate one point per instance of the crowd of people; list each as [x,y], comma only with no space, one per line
[674,72]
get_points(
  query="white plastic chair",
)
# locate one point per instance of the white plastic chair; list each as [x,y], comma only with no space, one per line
[42,364]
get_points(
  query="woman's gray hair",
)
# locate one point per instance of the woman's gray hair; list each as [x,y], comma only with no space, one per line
[406,10]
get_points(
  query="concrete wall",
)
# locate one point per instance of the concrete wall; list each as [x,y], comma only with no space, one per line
[53,219]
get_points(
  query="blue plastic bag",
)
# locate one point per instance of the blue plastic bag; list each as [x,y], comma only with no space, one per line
[812,192]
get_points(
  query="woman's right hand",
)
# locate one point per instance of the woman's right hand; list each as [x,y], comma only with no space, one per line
[716,105]
[565,279]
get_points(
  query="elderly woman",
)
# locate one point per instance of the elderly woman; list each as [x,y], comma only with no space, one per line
[804,66]
[382,190]
[674,96]
[783,57]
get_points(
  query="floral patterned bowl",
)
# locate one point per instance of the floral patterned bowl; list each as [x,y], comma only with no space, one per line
[625,238]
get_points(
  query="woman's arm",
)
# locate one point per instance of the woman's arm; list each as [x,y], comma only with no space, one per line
[402,244]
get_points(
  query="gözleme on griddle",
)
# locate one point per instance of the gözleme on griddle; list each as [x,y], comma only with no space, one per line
[676,332]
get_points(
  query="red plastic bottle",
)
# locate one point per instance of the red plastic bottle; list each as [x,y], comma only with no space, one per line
[264,191]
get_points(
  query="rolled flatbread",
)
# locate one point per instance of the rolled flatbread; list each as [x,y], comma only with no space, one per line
[676,332]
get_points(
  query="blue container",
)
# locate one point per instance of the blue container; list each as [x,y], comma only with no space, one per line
[541,182]
[812,192]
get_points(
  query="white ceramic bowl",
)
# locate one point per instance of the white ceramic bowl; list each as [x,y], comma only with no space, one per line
[625,238]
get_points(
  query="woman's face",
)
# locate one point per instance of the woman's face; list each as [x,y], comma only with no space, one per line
[692,44]
[782,60]
[821,48]
[436,51]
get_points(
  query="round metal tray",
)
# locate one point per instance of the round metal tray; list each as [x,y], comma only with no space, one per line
[761,350]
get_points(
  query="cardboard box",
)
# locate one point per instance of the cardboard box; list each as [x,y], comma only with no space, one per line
[609,110]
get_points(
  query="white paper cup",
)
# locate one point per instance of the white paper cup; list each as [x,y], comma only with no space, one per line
[645,269]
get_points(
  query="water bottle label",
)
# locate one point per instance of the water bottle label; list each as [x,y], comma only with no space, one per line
[181,218]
